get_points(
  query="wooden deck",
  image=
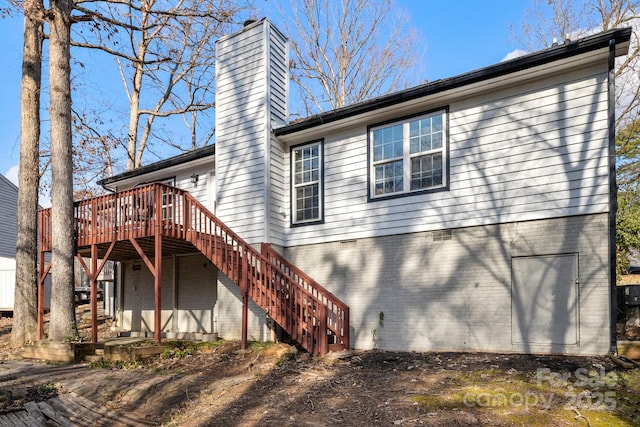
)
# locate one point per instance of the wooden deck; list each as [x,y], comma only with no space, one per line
[156,220]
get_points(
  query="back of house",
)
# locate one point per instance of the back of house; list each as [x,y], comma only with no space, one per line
[474,213]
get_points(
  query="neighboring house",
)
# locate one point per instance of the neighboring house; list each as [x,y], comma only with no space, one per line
[8,237]
[469,213]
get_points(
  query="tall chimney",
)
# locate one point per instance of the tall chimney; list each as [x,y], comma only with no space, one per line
[252,89]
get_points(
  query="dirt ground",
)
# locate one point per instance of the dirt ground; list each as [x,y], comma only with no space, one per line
[219,384]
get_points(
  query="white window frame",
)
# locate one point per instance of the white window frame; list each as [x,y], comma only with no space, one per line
[407,156]
[318,182]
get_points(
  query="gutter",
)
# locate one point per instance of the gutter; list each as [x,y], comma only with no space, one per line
[189,156]
[613,200]
[567,50]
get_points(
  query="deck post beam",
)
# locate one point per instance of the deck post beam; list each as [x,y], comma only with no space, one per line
[94,293]
[43,271]
[245,296]
[93,274]
[157,311]
[156,271]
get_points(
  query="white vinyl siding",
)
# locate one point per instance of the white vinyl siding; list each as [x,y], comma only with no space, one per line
[241,125]
[539,151]
[251,92]
[277,205]
[199,190]
[278,76]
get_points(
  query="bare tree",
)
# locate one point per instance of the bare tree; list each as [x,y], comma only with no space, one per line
[562,19]
[348,51]
[165,58]
[62,323]
[25,303]
[94,147]
[559,20]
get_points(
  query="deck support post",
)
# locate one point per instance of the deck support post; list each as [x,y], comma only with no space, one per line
[94,293]
[43,270]
[156,270]
[93,274]
[245,296]
[157,309]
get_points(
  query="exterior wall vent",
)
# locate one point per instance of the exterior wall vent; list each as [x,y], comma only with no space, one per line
[440,235]
[348,244]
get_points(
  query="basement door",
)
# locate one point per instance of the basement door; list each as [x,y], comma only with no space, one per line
[544,299]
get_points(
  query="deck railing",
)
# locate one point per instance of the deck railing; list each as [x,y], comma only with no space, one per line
[310,314]
[338,311]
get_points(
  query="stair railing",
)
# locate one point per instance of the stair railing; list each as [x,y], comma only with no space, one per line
[310,314]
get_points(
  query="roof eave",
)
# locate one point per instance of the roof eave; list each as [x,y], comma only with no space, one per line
[190,156]
[566,50]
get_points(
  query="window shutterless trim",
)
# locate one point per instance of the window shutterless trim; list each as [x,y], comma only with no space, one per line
[445,150]
[292,195]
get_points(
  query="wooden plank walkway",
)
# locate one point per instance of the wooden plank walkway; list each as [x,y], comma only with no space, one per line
[67,410]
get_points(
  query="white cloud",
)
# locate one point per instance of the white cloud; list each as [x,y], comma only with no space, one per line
[12,174]
[514,54]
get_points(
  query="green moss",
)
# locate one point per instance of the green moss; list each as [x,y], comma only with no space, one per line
[567,417]
[209,345]
[431,403]
[259,345]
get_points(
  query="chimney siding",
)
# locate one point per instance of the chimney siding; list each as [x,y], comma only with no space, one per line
[251,98]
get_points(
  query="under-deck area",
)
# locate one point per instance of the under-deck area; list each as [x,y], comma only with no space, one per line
[156,221]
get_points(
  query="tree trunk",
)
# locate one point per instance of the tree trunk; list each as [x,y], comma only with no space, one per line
[25,308]
[62,323]
[134,160]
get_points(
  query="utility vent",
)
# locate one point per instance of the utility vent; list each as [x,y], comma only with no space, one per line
[348,244]
[441,235]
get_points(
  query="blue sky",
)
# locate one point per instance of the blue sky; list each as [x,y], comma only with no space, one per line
[460,36]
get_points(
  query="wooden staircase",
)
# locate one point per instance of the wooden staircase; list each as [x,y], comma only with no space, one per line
[312,316]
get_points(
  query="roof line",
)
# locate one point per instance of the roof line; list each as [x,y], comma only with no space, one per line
[162,164]
[566,50]
[8,181]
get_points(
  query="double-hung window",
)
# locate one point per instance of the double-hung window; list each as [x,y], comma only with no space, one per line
[409,155]
[306,185]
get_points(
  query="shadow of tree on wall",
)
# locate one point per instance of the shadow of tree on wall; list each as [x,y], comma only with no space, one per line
[458,294]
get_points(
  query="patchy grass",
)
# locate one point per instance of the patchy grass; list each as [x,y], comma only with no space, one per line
[42,392]
[582,398]
[259,346]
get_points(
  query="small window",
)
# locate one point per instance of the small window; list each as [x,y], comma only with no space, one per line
[408,156]
[306,184]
